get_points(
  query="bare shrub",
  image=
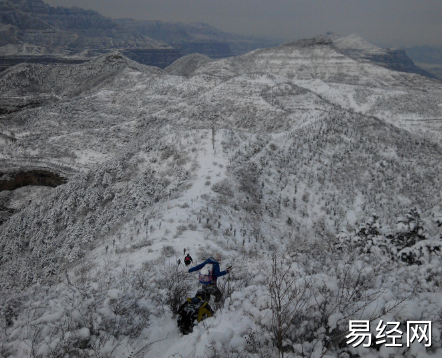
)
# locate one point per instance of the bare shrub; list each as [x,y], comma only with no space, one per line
[180,229]
[193,226]
[174,287]
[289,296]
[168,251]
[215,351]
[223,187]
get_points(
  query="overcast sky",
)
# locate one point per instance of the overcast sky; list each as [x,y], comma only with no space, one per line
[387,23]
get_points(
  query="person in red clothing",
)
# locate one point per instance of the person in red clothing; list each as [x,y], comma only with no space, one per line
[188,259]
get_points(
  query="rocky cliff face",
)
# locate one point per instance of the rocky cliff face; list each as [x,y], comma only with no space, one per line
[14,180]
[396,60]
[357,48]
[38,33]
[197,38]
[68,28]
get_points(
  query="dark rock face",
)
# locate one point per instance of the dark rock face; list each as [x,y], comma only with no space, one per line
[397,60]
[20,178]
[315,41]
[15,180]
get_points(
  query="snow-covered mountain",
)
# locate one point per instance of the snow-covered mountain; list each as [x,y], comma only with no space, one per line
[60,30]
[34,32]
[358,48]
[315,174]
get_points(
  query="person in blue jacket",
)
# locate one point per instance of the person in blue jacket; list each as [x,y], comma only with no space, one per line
[209,273]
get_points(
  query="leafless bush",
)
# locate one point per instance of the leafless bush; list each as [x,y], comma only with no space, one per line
[219,351]
[147,266]
[168,251]
[223,187]
[193,226]
[289,296]
[208,225]
[258,345]
[174,287]
[180,229]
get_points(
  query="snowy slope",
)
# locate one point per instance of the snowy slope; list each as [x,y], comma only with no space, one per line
[354,42]
[186,65]
[283,153]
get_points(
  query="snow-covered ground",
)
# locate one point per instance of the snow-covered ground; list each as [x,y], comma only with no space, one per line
[295,163]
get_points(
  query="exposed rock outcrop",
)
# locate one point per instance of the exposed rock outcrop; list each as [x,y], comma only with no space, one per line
[14,180]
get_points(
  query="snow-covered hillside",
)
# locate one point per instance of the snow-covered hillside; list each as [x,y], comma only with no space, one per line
[317,177]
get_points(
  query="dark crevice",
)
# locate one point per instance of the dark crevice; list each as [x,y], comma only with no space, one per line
[15,180]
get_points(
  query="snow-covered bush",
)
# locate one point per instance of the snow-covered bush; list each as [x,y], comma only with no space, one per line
[168,251]
[409,243]
[173,287]
[89,315]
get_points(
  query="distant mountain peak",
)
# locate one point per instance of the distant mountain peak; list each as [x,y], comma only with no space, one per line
[317,40]
[353,42]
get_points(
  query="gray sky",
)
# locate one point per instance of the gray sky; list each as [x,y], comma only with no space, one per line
[387,23]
